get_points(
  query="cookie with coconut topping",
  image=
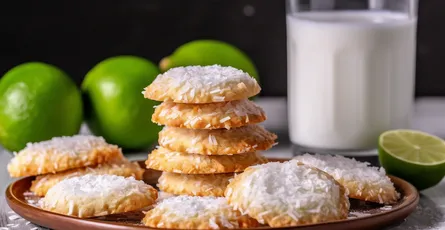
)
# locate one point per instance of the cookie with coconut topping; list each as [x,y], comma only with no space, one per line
[163,159]
[62,153]
[287,194]
[202,84]
[192,212]
[226,115]
[43,183]
[362,181]
[194,185]
[244,139]
[98,195]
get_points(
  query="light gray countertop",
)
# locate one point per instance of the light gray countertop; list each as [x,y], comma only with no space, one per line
[429,116]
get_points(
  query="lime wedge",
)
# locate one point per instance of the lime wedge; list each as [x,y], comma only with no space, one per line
[415,156]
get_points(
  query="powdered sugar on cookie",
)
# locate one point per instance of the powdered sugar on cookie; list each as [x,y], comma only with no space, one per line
[190,206]
[286,194]
[96,195]
[360,179]
[195,212]
[209,116]
[126,169]
[217,141]
[67,144]
[202,84]
[62,153]
[194,185]
[93,185]
[163,159]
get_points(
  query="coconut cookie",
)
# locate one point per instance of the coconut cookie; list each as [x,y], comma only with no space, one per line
[62,153]
[226,115]
[43,183]
[194,185]
[166,160]
[287,194]
[202,84]
[191,212]
[245,139]
[98,195]
[361,180]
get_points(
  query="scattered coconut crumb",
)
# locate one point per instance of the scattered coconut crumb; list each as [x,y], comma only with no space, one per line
[14,217]
[386,207]
[355,214]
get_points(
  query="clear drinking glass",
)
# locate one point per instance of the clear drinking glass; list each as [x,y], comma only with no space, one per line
[351,71]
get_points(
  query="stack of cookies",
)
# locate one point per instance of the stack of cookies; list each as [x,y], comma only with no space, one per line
[210,131]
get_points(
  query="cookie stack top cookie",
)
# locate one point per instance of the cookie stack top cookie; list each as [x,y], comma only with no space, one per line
[202,84]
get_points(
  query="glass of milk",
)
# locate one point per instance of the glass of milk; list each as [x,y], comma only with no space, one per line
[351,71]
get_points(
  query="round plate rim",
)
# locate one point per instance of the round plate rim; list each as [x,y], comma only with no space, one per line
[17,205]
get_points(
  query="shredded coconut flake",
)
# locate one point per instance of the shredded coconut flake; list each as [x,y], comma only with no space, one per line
[14,217]
[224,119]
[218,98]
[212,140]
[215,91]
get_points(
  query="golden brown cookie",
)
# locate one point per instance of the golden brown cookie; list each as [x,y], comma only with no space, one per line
[287,194]
[62,153]
[43,183]
[98,195]
[194,185]
[226,115]
[245,139]
[202,84]
[193,212]
[163,159]
[362,181]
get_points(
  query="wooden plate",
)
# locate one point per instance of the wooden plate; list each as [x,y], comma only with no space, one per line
[363,215]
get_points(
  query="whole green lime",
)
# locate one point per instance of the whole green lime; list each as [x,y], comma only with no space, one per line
[115,107]
[38,101]
[209,52]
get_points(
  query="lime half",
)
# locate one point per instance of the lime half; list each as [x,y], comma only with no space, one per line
[415,156]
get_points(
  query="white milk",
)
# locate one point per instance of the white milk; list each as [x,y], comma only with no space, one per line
[350,77]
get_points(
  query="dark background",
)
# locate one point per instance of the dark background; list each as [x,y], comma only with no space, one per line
[75,35]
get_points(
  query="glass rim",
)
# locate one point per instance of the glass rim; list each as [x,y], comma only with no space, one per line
[292,7]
